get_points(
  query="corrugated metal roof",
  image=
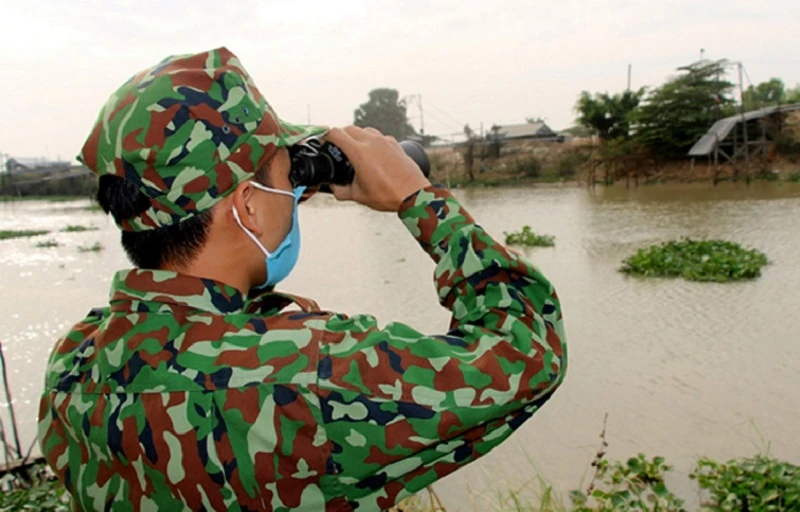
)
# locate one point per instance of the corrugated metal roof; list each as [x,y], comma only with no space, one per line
[722,128]
[514,131]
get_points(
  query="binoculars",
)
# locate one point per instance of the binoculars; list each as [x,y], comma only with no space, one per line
[317,163]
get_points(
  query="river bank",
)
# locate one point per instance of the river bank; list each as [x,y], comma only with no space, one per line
[579,163]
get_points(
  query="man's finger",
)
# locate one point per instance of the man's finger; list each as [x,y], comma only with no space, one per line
[343,139]
[342,192]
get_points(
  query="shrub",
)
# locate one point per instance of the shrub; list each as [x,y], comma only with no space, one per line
[709,260]
[637,484]
[529,238]
[529,166]
[37,489]
[756,484]
[568,165]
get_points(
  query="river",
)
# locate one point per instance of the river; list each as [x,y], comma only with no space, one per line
[682,369]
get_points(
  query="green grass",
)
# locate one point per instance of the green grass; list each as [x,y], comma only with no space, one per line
[8,234]
[47,244]
[94,207]
[794,177]
[707,260]
[78,229]
[97,247]
[529,238]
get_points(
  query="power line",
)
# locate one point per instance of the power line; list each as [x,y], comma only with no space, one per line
[446,124]
[445,113]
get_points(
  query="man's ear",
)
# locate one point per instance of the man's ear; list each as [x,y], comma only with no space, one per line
[243,199]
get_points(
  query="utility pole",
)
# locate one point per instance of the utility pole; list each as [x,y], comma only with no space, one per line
[421,119]
[629,76]
[411,98]
[744,120]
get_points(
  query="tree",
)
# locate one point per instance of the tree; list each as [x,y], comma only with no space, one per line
[674,116]
[764,94]
[608,115]
[792,95]
[385,112]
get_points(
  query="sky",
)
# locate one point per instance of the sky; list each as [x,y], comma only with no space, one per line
[476,62]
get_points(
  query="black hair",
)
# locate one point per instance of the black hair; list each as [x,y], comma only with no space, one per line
[174,245]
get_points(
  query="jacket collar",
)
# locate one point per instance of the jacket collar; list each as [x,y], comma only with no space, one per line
[139,290]
[131,289]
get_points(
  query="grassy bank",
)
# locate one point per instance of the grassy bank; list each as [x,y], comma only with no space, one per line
[578,162]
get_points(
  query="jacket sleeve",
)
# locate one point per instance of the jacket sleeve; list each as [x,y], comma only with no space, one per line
[402,409]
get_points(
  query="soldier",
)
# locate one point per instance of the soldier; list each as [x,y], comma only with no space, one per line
[200,387]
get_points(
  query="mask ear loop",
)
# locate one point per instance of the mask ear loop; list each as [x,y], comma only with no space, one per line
[248,233]
[265,188]
[239,220]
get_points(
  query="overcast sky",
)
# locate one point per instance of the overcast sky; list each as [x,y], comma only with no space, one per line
[471,61]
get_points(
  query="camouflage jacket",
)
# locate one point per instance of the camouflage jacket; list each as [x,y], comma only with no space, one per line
[184,395]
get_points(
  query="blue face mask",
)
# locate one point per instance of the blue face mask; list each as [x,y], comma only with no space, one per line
[282,260]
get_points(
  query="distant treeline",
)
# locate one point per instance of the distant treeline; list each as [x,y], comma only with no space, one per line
[665,121]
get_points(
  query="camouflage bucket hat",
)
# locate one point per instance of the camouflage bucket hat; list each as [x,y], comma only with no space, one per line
[187,131]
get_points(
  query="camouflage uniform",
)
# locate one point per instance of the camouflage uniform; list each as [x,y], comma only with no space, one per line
[183,394]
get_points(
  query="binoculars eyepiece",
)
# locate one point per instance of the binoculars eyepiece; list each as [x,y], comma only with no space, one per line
[318,163]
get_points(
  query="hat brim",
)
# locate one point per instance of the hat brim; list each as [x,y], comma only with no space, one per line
[291,134]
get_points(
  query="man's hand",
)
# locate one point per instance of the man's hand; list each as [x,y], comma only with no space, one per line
[384,176]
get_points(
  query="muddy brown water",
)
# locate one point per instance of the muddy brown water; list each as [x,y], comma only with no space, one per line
[682,369]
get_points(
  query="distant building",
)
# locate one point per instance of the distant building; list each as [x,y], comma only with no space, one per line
[538,130]
[15,165]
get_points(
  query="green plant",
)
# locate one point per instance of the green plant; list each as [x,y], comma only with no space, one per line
[529,166]
[36,489]
[8,234]
[529,238]
[637,484]
[47,244]
[755,484]
[567,166]
[71,228]
[794,177]
[97,247]
[707,260]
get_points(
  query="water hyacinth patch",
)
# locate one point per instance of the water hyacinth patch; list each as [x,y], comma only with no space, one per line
[78,229]
[529,238]
[97,247]
[706,260]
[8,234]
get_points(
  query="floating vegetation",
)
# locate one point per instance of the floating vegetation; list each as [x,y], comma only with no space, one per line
[78,229]
[47,244]
[529,238]
[8,234]
[52,199]
[97,247]
[707,260]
